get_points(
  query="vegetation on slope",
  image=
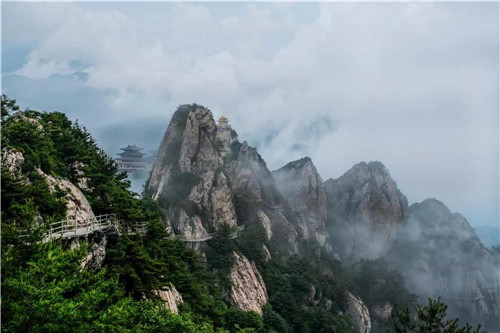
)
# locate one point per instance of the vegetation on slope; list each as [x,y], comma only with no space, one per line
[45,289]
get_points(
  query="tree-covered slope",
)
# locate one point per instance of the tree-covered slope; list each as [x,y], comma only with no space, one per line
[255,269]
[44,287]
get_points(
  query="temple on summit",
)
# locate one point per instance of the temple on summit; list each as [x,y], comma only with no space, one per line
[131,159]
[223,123]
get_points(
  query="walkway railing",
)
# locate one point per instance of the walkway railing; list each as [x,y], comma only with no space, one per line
[75,228]
[106,222]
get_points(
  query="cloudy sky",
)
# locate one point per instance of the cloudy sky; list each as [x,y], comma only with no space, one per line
[414,85]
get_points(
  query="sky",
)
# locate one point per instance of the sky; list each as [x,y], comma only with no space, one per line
[413,85]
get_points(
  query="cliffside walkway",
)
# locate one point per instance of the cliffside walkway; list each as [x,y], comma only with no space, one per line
[76,228]
[108,223]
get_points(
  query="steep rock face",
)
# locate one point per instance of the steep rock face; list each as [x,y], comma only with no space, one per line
[170,297]
[12,161]
[303,188]
[358,313]
[248,291]
[187,177]
[77,205]
[257,198]
[222,202]
[198,152]
[96,251]
[203,176]
[365,209]
[441,256]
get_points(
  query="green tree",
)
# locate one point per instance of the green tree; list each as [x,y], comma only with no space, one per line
[429,319]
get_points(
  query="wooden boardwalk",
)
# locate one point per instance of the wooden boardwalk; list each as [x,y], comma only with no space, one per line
[108,223]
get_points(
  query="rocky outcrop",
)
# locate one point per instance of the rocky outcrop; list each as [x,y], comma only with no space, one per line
[441,256]
[77,205]
[204,177]
[365,209]
[381,311]
[266,253]
[170,297]
[303,188]
[258,199]
[223,210]
[358,313]
[190,226]
[96,251]
[187,177]
[12,161]
[198,153]
[167,156]
[21,117]
[81,181]
[248,291]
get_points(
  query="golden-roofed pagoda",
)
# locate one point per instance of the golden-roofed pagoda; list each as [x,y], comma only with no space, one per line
[223,122]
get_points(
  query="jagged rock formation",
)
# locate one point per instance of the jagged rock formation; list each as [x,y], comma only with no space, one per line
[257,198]
[303,188]
[441,256]
[96,251]
[365,209]
[77,205]
[12,161]
[358,313]
[170,297]
[204,177]
[187,177]
[248,291]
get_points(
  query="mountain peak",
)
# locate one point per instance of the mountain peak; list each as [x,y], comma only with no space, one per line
[299,182]
[297,164]
[365,206]
[372,168]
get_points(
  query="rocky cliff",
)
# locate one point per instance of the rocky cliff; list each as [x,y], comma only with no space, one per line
[187,178]
[77,205]
[358,313]
[365,209]
[204,177]
[170,297]
[303,188]
[441,256]
[248,291]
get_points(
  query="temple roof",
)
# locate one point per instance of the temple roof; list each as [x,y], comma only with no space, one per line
[222,119]
[131,154]
[131,148]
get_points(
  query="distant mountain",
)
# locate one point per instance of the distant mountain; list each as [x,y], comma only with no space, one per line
[488,234]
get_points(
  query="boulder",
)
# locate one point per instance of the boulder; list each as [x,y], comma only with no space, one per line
[358,313]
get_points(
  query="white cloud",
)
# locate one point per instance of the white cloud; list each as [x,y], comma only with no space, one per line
[412,85]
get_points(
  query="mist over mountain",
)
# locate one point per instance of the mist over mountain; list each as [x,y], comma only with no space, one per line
[206,178]
[488,234]
[144,132]
[224,243]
